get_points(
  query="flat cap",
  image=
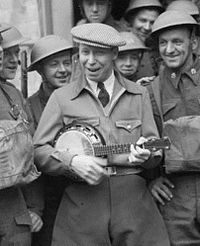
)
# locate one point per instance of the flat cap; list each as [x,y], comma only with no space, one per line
[97,35]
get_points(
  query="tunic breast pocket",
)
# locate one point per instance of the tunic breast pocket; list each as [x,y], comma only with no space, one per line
[170,110]
[128,130]
[193,106]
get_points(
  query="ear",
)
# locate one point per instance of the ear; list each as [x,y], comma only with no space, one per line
[194,42]
[115,53]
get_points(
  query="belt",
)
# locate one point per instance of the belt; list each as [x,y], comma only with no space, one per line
[119,171]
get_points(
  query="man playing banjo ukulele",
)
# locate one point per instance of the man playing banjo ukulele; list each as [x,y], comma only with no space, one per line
[109,204]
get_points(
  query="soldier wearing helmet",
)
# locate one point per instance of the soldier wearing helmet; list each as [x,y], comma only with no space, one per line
[175,100]
[130,55]
[190,8]
[141,15]
[17,222]
[99,11]
[51,57]
[12,39]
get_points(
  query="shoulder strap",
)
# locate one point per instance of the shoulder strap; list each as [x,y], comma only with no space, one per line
[36,108]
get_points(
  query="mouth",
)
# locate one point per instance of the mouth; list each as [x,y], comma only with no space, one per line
[171,58]
[95,17]
[93,70]
[62,78]
[12,68]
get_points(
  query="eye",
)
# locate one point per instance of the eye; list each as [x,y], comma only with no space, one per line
[162,42]
[53,63]
[85,52]
[178,41]
[67,63]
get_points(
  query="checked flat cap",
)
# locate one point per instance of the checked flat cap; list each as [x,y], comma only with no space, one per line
[97,35]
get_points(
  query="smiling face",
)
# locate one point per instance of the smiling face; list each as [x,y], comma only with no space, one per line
[96,11]
[10,62]
[128,62]
[142,22]
[56,69]
[175,46]
[96,62]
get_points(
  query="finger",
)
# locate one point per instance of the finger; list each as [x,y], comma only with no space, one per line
[167,192]
[164,193]
[142,154]
[168,182]
[38,226]
[141,140]
[157,197]
[101,161]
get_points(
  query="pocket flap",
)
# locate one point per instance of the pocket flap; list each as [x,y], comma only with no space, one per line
[168,106]
[91,121]
[129,125]
[23,219]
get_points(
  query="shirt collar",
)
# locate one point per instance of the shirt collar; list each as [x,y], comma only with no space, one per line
[191,71]
[109,85]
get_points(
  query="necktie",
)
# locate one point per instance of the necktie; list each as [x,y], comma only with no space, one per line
[103,94]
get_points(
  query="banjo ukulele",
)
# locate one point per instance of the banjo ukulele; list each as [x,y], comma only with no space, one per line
[82,138]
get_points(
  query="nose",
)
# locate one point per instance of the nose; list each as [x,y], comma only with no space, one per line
[147,26]
[91,58]
[94,7]
[61,67]
[14,57]
[128,61]
[169,47]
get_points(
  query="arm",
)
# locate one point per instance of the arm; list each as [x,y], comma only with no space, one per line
[47,159]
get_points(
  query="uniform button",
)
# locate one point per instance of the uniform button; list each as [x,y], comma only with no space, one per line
[193,71]
[129,127]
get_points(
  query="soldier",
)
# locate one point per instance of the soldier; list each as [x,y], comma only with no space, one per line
[110,204]
[190,8]
[130,55]
[51,57]
[175,101]
[141,15]
[99,11]
[17,221]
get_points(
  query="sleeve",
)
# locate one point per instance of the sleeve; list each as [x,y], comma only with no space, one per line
[149,130]
[47,158]
[33,192]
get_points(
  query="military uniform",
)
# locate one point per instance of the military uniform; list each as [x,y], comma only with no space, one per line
[179,96]
[175,100]
[51,188]
[15,221]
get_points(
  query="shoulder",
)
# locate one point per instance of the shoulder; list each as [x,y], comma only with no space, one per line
[33,97]
[131,86]
[12,90]
[63,93]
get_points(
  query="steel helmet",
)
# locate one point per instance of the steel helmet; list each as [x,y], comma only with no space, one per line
[184,5]
[132,42]
[47,46]
[11,37]
[135,5]
[172,18]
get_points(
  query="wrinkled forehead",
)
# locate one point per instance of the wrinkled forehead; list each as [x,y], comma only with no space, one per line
[176,31]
